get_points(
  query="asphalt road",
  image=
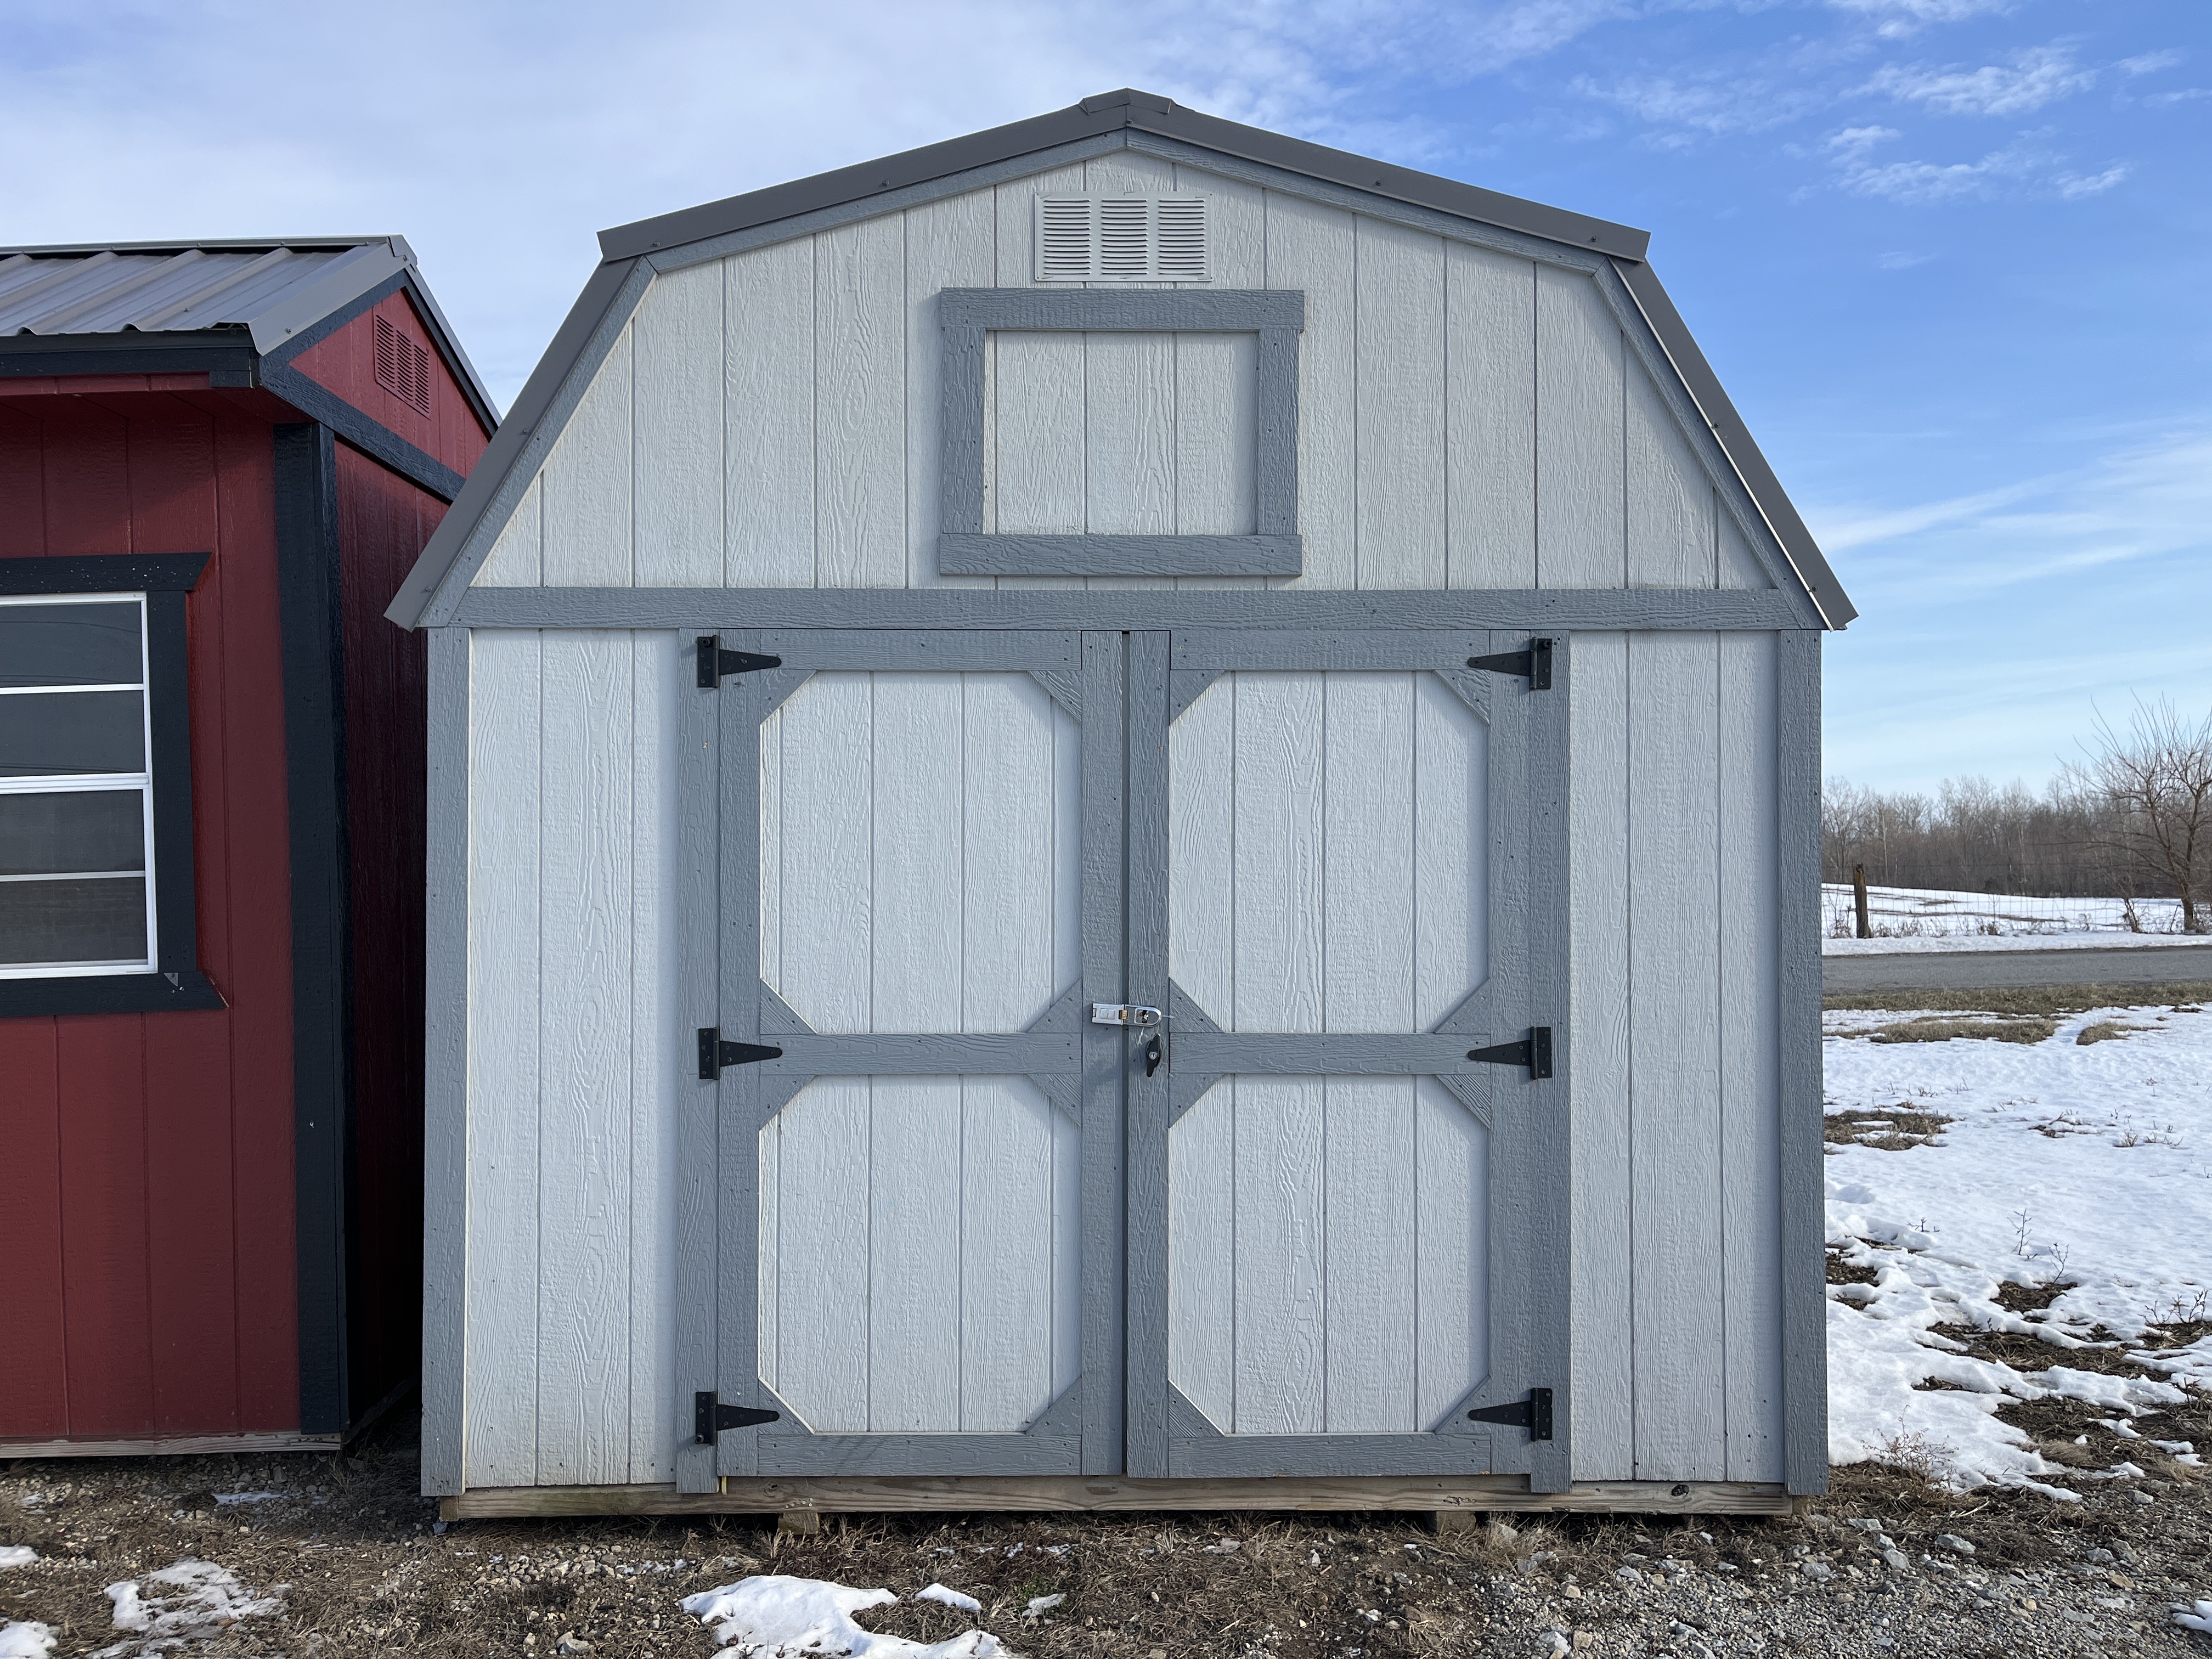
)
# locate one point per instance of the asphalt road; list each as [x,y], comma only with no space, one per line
[1920,970]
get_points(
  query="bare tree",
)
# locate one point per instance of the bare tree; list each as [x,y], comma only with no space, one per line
[2157,781]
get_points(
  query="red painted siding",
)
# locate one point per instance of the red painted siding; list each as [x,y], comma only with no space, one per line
[146,1196]
[345,362]
[383,523]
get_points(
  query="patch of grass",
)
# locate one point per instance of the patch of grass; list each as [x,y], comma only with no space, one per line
[1841,1272]
[1942,1028]
[1894,1130]
[2105,1030]
[2044,1001]
[2028,1298]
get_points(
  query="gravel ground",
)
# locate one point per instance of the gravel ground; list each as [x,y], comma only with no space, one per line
[341,1556]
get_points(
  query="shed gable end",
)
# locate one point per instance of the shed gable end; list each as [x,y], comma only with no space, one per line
[1475,412]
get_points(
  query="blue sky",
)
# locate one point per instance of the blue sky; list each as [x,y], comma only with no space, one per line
[1948,255]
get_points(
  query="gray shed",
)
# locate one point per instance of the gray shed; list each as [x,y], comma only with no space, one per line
[1124,813]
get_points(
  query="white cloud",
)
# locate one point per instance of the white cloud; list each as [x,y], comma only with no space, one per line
[2148,63]
[2073,186]
[2186,95]
[2035,77]
[1901,261]
[1898,18]
[1853,144]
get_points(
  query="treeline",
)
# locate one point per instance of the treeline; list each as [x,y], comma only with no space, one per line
[2071,842]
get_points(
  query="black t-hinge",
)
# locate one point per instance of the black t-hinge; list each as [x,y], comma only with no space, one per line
[1533,1414]
[1534,1051]
[1533,664]
[710,1416]
[714,662]
[715,1054]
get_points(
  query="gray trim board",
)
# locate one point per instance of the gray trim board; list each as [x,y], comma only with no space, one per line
[1797,916]
[698,1129]
[980,555]
[1104,1048]
[1697,374]
[737,1111]
[1106,113]
[970,315]
[1548,1230]
[445,1073]
[1198,1450]
[1144,874]
[1142,310]
[1586,609]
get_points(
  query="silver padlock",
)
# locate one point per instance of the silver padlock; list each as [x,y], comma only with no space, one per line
[1135,1014]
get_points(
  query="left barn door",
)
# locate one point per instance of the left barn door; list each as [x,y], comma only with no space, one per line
[890,1055]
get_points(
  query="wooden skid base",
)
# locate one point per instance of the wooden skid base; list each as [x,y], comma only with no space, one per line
[769,1495]
[180,1445]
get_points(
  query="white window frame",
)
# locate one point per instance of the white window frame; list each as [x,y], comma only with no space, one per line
[96,782]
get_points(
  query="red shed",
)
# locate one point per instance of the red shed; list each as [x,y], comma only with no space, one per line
[217,462]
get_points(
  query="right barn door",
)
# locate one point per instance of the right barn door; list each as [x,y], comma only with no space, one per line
[1349,1151]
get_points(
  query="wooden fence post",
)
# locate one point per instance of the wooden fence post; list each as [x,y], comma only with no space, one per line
[1859,899]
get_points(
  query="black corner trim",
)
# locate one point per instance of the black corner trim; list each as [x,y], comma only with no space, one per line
[371,438]
[176,983]
[322,1003]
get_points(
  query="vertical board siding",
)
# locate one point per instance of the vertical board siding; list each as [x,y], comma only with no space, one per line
[1490,369]
[1604,1147]
[574,1059]
[1581,490]
[1327,1246]
[1674,1082]
[917,1267]
[1676,1296]
[1468,418]
[676,456]
[147,1180]
[919,854]
[1321,875]
[1399,418]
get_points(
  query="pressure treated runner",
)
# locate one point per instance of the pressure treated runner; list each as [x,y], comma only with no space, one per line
[1058,1493]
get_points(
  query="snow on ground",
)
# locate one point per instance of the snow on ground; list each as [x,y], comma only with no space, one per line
[1900,916]
[1953,943]
[25,1639]
[2085,1166]
[773,1617]
[191,1601]
[16,1555]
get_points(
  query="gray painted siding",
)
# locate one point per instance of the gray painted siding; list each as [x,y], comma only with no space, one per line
[574,1058]
[1469,418]
[1677,1298]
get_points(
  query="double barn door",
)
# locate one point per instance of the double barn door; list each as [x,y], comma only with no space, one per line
[955,1203]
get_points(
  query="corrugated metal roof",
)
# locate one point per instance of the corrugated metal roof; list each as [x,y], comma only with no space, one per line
[271,289]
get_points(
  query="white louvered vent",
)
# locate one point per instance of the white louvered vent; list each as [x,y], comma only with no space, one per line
[1121,239]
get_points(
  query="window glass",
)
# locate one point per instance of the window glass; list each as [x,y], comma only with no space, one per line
[62,733]
[72,643]
[75,877]
[46,835]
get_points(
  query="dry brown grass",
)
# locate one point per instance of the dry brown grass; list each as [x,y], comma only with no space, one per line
[2106,1030]
[2042,1001]
[1893,1129]
[1943,1027]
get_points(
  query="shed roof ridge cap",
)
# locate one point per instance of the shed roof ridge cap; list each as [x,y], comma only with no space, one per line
[1124,109]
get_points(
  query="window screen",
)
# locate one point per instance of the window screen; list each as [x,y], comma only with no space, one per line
[77,807]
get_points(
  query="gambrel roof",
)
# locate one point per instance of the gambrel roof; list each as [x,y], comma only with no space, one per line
[632,254]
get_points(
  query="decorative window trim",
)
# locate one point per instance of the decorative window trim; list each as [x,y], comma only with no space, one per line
[174,980]
[967,315]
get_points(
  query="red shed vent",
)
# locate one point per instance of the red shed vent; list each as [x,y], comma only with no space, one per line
[402,367]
